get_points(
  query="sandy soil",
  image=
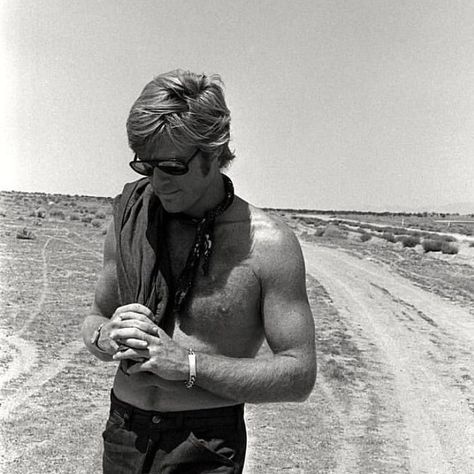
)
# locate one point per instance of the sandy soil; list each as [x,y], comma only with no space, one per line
[395,337]
[423,345]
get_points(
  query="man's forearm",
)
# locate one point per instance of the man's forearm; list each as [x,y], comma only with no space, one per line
[282,377]
[91,323]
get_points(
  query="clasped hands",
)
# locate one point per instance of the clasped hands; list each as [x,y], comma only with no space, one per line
[131,334]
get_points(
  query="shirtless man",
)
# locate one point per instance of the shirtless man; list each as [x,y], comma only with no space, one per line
[194,279]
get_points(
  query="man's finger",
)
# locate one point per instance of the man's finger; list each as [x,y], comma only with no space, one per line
[135,308]
[121,334]
[131,343]
[143,324]
[126,315]
[140,367]
[134,354]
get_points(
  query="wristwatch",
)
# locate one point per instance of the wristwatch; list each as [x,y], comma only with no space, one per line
[95,338]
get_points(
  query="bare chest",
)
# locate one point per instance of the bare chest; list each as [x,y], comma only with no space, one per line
[223,312]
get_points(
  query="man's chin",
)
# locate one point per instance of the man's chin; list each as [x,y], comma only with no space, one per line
[172,207]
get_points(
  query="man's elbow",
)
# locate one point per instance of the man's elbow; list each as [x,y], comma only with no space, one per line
[305,384]
[308,385]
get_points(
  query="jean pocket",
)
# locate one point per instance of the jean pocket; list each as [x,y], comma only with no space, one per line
[115,423]
[216,448]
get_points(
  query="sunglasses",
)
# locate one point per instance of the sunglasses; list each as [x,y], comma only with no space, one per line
[168,165]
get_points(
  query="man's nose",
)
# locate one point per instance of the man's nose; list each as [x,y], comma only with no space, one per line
[159,177]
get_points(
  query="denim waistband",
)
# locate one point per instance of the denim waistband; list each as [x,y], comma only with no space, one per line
[134,416]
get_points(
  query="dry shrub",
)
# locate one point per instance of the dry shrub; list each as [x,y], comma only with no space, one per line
[364,237]
[319,231]
[25,234]
[334,370]
[86,219]
[100,215]
[449,238]
[57,213]
[410,241]
[449,248]
[40,212]
[431,245]
[389,237]
[96,223]
[471,244]
[333,231]
[74,216]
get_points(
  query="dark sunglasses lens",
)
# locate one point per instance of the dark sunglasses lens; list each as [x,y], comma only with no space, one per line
[142,168]
[173,167]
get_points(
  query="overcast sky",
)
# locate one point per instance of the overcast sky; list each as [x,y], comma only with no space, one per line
[335,104]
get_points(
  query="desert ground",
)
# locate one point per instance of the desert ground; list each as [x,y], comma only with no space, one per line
[394,332]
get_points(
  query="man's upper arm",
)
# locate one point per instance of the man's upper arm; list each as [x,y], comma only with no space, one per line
[288,321]
[106,298]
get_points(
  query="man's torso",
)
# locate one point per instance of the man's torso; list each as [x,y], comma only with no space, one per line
[223,314]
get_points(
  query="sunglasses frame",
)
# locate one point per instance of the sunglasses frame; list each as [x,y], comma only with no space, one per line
[167,165]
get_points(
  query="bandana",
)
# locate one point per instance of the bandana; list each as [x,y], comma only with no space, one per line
[202,247]
[143,267]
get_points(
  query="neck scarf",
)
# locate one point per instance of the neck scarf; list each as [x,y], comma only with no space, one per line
[202,246]
[143,270]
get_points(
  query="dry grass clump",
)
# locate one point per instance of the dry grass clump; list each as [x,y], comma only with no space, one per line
[431,245]
[86,219]
[40,212]
[449,248]
[471,244]
[100,215]
[57,213]
[74,216]
[334,232]
[410,241]
[319,231]
[449,238]
[364,237]
[25,234]
[96,223]
[389,237]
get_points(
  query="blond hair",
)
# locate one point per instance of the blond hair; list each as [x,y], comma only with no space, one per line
[189,108]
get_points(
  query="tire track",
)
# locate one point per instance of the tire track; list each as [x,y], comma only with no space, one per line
[27,358]
[44,290]
[24,359]
[35,382]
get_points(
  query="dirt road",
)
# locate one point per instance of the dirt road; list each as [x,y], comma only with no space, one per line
[420,347]
[394,394]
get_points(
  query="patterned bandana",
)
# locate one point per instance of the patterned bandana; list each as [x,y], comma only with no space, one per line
[202,247]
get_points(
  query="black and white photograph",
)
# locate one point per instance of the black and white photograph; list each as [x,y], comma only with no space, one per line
[237,237]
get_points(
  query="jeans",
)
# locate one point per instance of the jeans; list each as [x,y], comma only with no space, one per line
[196,441]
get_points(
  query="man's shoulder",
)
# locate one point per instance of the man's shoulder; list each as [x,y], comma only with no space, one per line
[276,251]
[270,234]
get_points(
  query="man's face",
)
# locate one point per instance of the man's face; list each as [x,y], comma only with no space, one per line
[185,193]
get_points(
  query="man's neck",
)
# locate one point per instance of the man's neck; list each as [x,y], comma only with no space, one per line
[214,195]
